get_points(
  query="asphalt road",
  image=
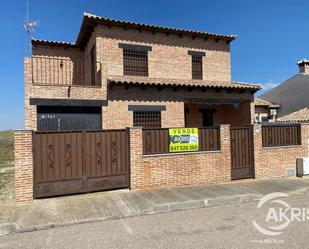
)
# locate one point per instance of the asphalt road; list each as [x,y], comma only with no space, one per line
[216,227]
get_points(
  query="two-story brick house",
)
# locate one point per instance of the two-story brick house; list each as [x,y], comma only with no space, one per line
[120,74]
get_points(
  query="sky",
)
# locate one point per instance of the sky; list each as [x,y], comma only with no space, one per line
[272,35]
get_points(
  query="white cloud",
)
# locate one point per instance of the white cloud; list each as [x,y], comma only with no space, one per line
[269,85]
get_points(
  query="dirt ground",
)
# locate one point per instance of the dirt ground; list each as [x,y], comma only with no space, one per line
[6,165]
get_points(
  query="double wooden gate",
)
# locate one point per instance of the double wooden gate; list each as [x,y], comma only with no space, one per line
[242,153]
[77,162]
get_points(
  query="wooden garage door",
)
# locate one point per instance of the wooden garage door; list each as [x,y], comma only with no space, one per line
[77,162]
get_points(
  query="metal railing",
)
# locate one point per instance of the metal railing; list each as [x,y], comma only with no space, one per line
[156,141]
[65,72]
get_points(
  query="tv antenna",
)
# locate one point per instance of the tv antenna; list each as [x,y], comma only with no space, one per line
[29,27]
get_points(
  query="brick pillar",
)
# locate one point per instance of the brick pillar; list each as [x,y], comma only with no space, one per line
[23,166]
[136,157]
[257,150]
[305,138]
[225,142]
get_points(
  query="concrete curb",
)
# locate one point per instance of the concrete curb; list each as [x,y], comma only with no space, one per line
[10,228]
[177,206]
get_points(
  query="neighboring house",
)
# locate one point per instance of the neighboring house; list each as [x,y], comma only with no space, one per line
[298,116]
[291,95]
[265,111]
[120,74]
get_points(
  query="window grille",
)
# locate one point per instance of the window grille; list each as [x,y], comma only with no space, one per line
[135,62]
[147,119]
[197,67]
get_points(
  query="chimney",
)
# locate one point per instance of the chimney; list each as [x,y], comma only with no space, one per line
[303,66]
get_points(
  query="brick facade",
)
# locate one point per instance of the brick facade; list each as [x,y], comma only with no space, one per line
[23,167]
[168,59]
[169,56]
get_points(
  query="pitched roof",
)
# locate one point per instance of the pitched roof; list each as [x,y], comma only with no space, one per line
[90,21]
[298,116]
[263,102]
[146,81]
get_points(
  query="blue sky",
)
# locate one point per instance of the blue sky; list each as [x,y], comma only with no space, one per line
[272,35]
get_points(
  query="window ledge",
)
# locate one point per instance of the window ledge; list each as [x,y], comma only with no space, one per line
[282,147]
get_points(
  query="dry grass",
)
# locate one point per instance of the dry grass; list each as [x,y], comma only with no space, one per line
[6,165]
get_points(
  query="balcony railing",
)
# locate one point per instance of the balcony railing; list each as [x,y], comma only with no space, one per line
[65,72]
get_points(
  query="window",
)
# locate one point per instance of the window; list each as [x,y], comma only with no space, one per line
[93,66]
[147,119]
[135,59]
[197,64]
[135,62]
[197,67]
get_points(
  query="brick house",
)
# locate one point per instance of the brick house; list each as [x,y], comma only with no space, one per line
[121,74]
[98,113]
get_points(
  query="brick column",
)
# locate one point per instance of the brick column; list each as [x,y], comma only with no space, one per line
[225,142]
[23,166]
[257,147]
[136,157]
[305,138]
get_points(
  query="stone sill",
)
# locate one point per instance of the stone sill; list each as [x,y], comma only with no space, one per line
[282,147]
[183,153]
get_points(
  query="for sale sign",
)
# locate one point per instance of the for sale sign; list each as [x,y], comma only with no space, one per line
[183,139]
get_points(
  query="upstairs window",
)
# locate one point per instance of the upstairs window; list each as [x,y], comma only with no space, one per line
[197,64]
[135,63]
[197,67]
[135,59]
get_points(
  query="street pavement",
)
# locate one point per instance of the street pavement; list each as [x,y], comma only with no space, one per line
[227,226]
[87,208]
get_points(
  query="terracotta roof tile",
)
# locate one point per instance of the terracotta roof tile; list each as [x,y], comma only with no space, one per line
[298,116]
[90,21]
[263,102]
[181,82]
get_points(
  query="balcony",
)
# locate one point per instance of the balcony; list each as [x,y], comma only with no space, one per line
[49,71]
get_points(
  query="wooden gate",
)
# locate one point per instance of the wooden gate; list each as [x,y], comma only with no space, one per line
[242,153]
[77,162]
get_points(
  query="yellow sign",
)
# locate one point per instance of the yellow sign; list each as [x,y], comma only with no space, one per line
[183,139]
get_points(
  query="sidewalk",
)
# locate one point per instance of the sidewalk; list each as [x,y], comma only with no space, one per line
[61,211]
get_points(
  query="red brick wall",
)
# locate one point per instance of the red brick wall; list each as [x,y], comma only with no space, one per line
[160,171]
[273,162]
[23,167]
[169,56]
